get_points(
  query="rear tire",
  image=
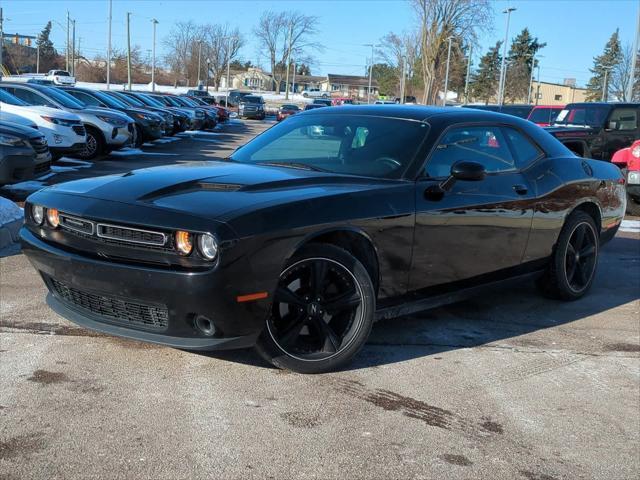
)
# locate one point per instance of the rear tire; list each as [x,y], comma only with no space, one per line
[574,260]
[322,312]
[139,140]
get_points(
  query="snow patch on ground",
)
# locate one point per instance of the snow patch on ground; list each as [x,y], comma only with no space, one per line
[11,219]
[631,226]
[9,211]
[30,185]
[136,151]
[77,163]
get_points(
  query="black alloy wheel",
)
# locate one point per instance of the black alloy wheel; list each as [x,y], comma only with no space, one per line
[322,311]
[94,145]
[573,264]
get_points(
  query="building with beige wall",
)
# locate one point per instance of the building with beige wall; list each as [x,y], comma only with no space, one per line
[545,93]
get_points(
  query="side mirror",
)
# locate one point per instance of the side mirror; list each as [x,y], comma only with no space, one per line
[465,171]
[612,125]
[468,171]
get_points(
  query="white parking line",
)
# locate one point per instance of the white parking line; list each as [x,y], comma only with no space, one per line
[630,226]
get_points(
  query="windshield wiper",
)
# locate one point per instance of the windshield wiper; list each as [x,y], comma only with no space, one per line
[302,166]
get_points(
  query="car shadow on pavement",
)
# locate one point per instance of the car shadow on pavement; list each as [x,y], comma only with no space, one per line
[501,319]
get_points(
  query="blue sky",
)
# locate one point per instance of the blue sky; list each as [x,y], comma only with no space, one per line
[574,30]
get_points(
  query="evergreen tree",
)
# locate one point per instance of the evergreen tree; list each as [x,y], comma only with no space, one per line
[303,69]
[520,63]
[484,82]
[602,64]
[48,53]
[388,79]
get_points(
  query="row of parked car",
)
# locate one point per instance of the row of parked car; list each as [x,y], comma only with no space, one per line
[40,123]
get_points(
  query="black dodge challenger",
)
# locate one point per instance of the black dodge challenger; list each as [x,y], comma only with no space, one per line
[324,223]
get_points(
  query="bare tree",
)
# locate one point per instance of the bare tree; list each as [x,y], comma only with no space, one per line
[180,48]
[398,49]
[440,19]
[221,45]
[286,35]
[620,75]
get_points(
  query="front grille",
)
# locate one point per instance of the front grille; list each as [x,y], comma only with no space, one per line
[131,235]
[112,308]
[76,224]
[79,129]
[39,145]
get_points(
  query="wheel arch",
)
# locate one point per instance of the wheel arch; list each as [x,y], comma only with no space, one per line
[96,129]
[592,208]
[355,241]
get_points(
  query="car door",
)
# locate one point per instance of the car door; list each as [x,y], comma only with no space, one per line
[475,227]
[621,129]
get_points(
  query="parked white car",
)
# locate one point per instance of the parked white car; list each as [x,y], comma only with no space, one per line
[61,77]
[64,131]
[315,93]
[107,129]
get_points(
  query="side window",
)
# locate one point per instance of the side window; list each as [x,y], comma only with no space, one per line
[624,118]
[524,151]
[485,145]
[32,98]
[84,98]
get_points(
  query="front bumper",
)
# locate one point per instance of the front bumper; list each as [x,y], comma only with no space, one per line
[18,166]
[74,149]
[118,137]
[181,294]
[634,191]
[152,131]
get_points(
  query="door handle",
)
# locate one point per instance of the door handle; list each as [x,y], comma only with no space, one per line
[520,189]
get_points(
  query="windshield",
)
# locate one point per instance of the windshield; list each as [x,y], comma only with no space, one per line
[61,73]
[583,116]
[110,101]
[128,99]
[345,144]
[63,98]
[252,99]
[544,115]
[6,97]
[152,101]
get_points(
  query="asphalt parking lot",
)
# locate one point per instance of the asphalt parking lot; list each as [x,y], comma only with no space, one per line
[506,386]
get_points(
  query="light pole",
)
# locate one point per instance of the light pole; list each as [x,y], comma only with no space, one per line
[503,73]
[403,79]
[293,83]
[538,87]
[634,56]
[533,66]
[109,45]
[153,56]
[199,56]
[370,69]
[226,97]
[468,76]
[207,75]
[129,50]
[446,75]
[286,84]
[73,48]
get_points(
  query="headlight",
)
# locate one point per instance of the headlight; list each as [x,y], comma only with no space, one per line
[53,218]
[633,178]
[11,141]
[37,213]
[118,122]
[184,242]
[142,116]
[61,121]
[199,114]
[635,151]
[208,246]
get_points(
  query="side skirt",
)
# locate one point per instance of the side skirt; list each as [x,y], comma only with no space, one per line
[434,301]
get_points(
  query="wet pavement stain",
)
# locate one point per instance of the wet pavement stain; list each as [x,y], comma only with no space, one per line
[459,460]
[45,377]
[51,329]
[536,476]
[623,347]
[492,427]
[21,445]
[300,419]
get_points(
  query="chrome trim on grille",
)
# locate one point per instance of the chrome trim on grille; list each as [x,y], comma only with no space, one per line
[127,240]
[64,217]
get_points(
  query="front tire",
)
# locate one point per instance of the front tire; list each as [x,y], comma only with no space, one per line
[322,312]
[573,264]
[95,145]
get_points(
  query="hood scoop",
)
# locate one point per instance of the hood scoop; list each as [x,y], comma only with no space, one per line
[189,187]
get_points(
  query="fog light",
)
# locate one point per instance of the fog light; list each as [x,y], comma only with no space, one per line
[205,325]
[37,213]
[184,242]
[53,218]
[208,246]
[58,138]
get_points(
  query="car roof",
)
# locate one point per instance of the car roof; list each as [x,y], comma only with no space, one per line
[605,104]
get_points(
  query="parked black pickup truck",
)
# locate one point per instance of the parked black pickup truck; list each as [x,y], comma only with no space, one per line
[597,130]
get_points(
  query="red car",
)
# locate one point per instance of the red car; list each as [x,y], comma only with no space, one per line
[628,159]
[544,115]
[285,111]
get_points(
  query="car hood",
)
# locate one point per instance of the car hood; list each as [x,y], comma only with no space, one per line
[39,110]
[102,111]
[13,118]
[19,130]
[216,190]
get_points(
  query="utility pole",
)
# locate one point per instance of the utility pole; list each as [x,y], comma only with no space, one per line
[286,84]
[1,40]
[109,45]
[466,80]
[403,80]
[370,70]
[153,57]
[605,84]
[68,52]
[533,63]
[634,58]
[538,87]
[446,75]
[129,50]
[37,58]
[73,48]
[226,97]
[293,84]
[199,57]
[503,73]
[207,74]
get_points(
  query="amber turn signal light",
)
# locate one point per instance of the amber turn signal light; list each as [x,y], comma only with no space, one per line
[53,217]
[184,242]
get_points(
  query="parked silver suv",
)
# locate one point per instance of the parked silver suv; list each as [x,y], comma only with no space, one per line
[106,129]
